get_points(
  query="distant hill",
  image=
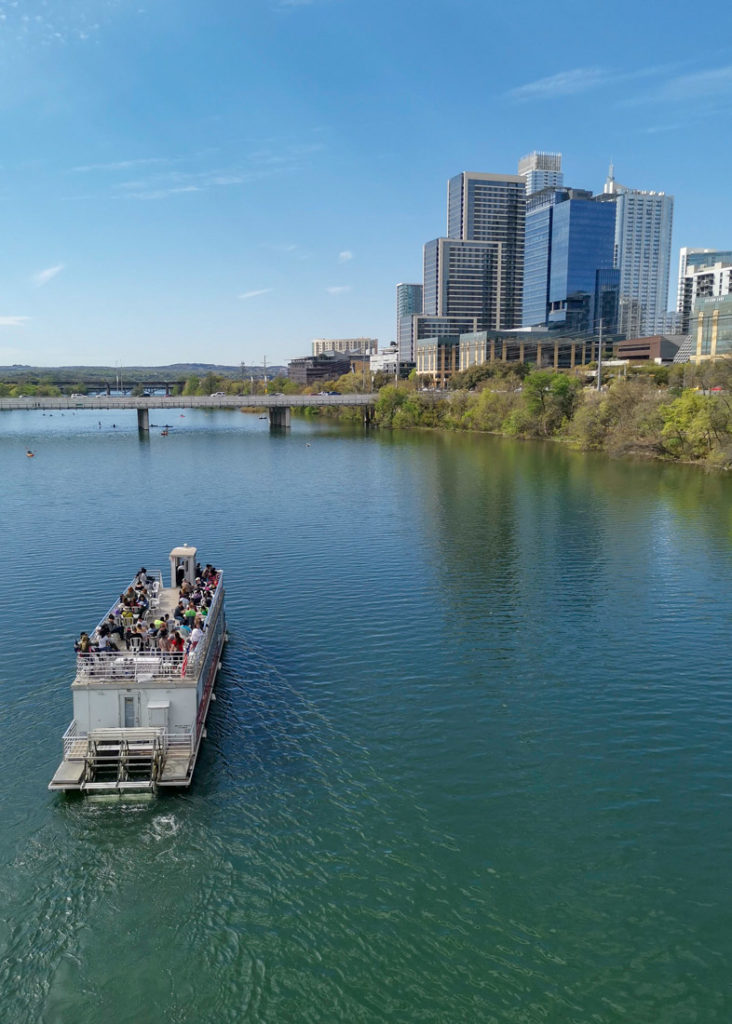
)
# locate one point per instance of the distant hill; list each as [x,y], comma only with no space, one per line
[132,374]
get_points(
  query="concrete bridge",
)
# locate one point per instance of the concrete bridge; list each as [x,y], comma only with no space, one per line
[277,406]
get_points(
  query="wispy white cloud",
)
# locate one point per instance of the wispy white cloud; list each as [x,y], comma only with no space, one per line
[122,165]
[13,321]
[257,291]
[338,289]
[44,276]
[162,193]
[716,82]
[288,249]
[575,81]
[563,83]
[345,257]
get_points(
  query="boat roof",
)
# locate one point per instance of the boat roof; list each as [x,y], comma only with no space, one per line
[184,551]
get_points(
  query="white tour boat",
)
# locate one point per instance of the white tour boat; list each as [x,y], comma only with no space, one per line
[140,712]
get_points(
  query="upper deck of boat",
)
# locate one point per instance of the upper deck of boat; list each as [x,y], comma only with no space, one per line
[146,665]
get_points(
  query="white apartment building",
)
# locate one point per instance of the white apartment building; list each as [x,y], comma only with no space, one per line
[703,274]
[643,225]
[541,170]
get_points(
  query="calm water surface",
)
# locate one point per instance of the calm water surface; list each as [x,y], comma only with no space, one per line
[470,758]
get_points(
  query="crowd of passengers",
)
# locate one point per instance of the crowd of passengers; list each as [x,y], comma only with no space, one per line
[130,626]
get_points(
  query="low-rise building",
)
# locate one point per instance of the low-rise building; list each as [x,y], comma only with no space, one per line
[310,369]
[366,346]
[438,358]
[711,329]
[656,348]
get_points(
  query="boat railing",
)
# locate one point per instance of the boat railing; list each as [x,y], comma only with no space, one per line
[76,741]
[126,665]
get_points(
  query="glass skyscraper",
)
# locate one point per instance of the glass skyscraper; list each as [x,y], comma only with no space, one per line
[569,279]
[409,304]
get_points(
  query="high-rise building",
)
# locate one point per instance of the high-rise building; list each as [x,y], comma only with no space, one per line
[491,209]
[643,224]
[409,304]
[541,170]
[463,278]
[569,280]
[703,273]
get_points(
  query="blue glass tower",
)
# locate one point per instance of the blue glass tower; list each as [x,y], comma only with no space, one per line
[569,280]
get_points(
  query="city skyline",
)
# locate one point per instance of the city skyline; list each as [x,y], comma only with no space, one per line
[222,185]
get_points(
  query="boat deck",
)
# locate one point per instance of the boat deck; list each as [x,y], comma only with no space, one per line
[148,734]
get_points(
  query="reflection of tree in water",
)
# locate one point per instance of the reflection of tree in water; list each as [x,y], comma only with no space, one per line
[543,543]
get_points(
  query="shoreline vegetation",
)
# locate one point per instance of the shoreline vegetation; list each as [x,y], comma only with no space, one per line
[677,413]
[680,413]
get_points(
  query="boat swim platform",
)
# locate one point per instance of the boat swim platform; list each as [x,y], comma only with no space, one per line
[135,759]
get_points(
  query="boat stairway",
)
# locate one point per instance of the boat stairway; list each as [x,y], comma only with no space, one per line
[123,759]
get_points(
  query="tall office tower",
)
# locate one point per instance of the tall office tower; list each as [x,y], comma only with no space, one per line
[490,208]
[541,170]
[569,279]
[409,304]
[463,279]
[643,223]
[703,274]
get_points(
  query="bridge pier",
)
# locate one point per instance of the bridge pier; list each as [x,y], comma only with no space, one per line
[368,415]
[143,421]
[279,417]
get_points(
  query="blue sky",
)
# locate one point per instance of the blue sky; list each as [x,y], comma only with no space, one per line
[224,181]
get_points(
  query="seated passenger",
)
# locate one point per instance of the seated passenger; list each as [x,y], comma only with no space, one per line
[83,644]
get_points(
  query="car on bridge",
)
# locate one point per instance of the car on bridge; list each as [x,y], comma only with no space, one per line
[218,394]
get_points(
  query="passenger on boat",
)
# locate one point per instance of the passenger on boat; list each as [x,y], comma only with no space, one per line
[195,638]
[83,644]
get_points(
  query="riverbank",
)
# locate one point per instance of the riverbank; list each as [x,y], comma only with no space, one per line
[641,416]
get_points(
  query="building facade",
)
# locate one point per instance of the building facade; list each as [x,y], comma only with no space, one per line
[463,278]
[643,225]
[540,171]
[408,304]
[310,369]
[491,208]
[703,274]
[569,277]
[363,345]
[711,328]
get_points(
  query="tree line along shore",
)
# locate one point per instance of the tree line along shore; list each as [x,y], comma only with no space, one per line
[681,412]
[678,413]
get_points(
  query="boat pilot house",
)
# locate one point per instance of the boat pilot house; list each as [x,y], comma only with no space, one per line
[144,681]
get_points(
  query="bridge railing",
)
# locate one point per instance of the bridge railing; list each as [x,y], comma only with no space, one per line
[187,402]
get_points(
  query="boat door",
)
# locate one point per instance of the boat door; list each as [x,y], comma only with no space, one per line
[129,714]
